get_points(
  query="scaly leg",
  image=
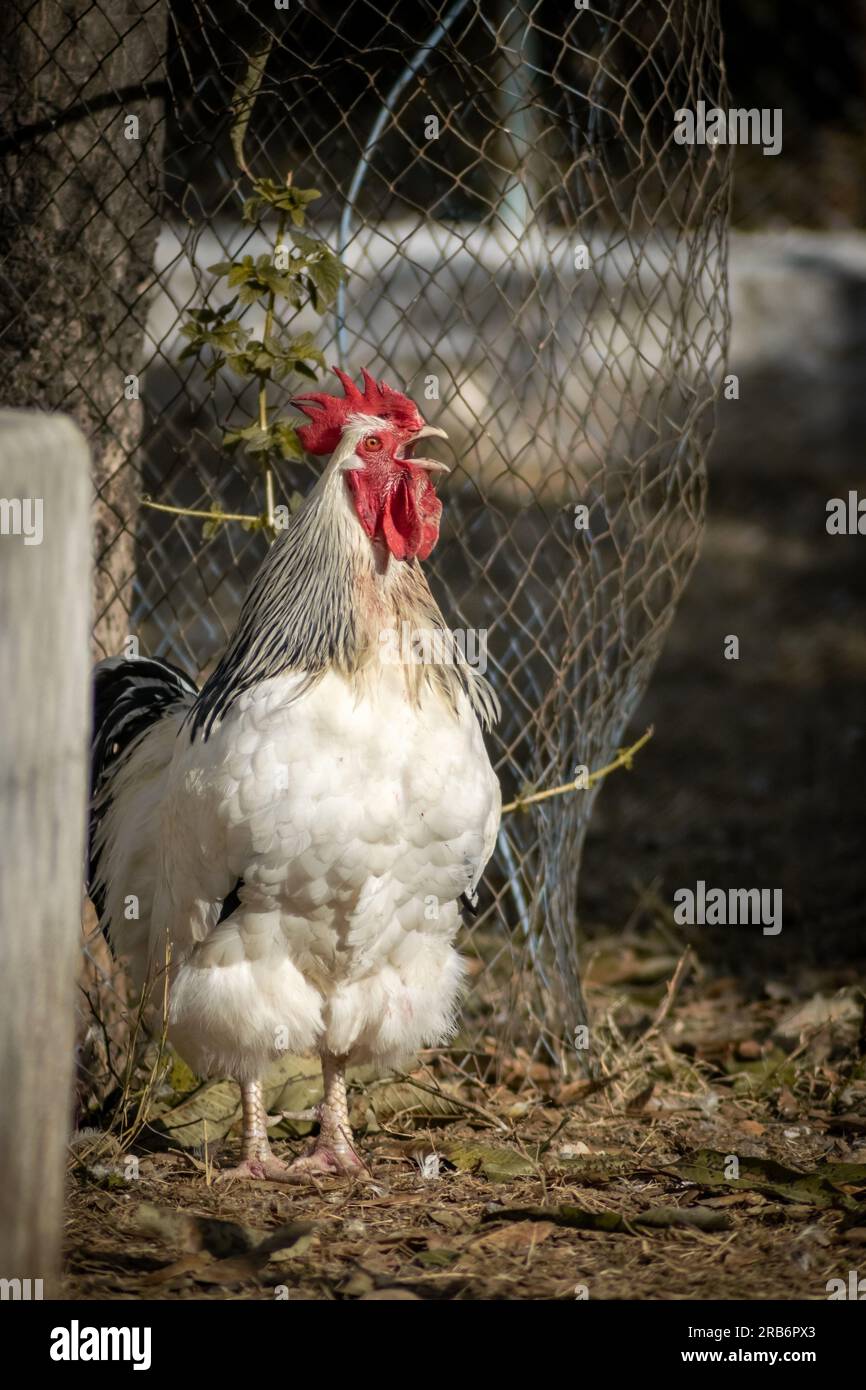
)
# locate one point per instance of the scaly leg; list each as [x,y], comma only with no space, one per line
[333,1150]
[256,1159]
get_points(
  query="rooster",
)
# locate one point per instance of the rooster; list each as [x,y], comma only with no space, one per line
[287,848]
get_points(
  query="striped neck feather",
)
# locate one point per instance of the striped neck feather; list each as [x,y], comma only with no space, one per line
[321,600]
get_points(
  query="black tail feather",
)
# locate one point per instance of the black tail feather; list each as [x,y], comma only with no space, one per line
[129,695]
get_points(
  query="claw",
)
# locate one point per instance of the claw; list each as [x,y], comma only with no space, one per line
[323,1162]
[246,1169]
[311,1114]
[266,1169]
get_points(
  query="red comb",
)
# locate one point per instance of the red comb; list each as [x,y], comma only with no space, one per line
[328,414]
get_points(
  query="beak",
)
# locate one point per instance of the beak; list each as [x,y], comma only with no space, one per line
[432,465]
[426,431]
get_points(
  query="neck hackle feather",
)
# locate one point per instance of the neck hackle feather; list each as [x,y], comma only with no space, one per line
[325,593]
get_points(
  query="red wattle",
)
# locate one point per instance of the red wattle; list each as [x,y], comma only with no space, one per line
[406,517]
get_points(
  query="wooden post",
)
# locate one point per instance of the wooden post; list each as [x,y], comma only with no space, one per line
[44,726]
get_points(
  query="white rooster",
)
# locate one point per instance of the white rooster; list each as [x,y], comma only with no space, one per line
[295,838]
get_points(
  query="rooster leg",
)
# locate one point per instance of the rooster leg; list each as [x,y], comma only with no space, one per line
[256,1159]
[334,1149]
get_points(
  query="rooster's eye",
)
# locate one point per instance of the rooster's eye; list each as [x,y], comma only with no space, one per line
[372,442]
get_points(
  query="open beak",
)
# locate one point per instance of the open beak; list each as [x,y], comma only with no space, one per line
[433,465]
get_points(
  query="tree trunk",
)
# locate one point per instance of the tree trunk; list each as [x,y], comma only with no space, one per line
[79,206]
[44,657]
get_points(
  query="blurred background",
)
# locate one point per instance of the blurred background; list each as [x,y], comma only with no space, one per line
[756,773]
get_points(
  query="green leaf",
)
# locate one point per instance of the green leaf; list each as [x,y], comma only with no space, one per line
[296,355]
[240,272]
[327,277]
[269,360]
[277,438]
[283,198]
[497,1162]
[831,1185]
[324,272]
[180,1077]
[287,441]
[254,439]
[214,329]
[217,363]
[255,360]
[303,348]
[260,277]
[209,530]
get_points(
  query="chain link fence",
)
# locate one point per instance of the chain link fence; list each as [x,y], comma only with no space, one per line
[529,253]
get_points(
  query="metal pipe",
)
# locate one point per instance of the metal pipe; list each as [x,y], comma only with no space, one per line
[343,236]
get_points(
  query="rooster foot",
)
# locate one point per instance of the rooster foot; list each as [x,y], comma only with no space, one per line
[324,1161]
[267,1169]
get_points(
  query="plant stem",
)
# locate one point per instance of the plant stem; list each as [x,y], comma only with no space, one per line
[269,500]
[263,387]
[622,759]
[190,511]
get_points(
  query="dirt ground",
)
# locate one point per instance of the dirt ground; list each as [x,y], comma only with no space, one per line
[532,1189]
[722,1151]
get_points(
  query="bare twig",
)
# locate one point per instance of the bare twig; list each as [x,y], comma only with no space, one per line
[673,989]
[622,759]
[468,1105]
[208,516]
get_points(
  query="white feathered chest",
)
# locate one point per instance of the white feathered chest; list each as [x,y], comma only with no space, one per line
[354,818]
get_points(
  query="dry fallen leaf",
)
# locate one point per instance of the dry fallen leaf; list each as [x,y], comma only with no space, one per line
[179,1269]
[520,1235]
[228,1272]
[752,1127]
[788,1105]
